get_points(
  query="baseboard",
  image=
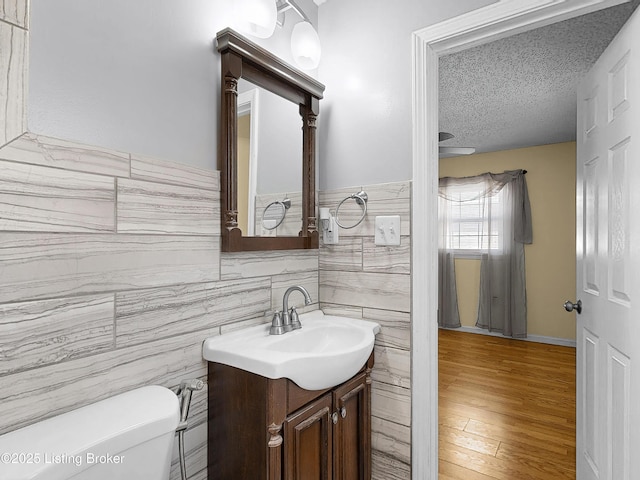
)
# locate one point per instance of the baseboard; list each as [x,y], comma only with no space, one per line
[565,342]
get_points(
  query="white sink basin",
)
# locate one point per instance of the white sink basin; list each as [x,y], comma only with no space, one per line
[325,352]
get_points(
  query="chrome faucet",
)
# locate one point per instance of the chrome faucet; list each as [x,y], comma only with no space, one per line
[288,320]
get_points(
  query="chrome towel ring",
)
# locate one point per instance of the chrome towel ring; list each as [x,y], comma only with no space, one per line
[274,213]
[361,199]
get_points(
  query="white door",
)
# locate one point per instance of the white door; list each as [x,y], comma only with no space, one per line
[608,263]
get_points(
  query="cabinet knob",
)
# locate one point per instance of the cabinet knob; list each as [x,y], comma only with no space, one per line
[334,417]
[343,412]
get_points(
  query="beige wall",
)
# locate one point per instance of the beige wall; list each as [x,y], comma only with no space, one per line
[551,259]
[244,129]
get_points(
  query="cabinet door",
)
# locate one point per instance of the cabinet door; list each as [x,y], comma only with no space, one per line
[308,442]
[352,431]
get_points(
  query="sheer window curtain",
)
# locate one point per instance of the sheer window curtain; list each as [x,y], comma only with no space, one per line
[500,203]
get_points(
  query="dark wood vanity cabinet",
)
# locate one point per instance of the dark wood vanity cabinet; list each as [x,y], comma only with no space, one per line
[273,430]
[308,447]
[352,432]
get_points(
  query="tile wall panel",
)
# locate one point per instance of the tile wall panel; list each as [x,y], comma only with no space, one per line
[47,265]
[277,262]
[341,310]
[14,56]
[33,395]
[251,322]
[376,290]
[393,366]
[15,12]
[387,259]
[346,255]
[396,327]
[391,403]
[377,193]
[162,171]
[40,333]
[387,467]
[53,152]
[146,207]
[360,279]
[146,315]
[99,294]
[42,199]
[392,438]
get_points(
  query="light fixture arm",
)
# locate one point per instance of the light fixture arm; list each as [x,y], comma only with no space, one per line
[284,5]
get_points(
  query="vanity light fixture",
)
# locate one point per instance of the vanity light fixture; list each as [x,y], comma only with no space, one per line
[305,46]
[258,18]
[305,42]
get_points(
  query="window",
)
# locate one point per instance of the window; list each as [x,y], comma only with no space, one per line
[472,222]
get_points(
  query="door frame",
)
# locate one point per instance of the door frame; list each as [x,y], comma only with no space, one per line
[493,22]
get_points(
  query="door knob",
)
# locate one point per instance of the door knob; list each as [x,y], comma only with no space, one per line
[570,307]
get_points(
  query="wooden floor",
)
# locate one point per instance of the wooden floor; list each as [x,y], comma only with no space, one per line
[507,409]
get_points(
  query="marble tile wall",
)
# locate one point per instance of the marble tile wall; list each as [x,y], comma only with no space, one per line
[14,57]
[111,276]
[359,279]
[15,12]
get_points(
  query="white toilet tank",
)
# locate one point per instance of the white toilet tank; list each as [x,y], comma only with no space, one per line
[126,437]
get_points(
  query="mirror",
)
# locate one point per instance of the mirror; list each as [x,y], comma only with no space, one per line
[268,156]
[269,160]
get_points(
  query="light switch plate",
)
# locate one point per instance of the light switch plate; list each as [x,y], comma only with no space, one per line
[387,230]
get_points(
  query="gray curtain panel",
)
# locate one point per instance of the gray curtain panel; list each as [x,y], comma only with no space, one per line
[448,315]
[505,228]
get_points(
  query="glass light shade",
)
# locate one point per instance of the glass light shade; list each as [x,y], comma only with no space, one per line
[257,17]
[305,46]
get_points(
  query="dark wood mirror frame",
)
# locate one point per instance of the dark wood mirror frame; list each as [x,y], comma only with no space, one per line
[242,58]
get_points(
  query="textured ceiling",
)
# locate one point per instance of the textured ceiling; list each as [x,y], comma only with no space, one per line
[521,91]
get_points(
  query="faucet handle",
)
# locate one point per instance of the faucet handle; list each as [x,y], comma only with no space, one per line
[295,320]
[277,325]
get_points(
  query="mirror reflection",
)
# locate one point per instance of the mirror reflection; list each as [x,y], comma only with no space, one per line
[269,163]
[274,214]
